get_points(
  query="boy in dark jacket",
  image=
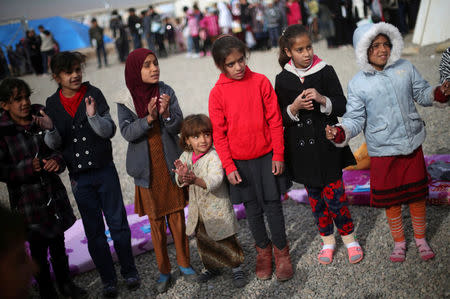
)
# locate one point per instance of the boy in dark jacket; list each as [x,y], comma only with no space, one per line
[81,128]
[30,170]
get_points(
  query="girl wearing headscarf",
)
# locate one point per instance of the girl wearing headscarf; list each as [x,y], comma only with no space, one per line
[150,120]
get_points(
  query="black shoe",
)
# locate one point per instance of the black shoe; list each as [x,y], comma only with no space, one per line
[163,286]
[133,283]
[239,280]
[110,290]
[70,289]
[207,275]
[48,292]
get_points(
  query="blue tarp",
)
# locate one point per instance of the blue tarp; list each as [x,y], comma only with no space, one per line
[70,34]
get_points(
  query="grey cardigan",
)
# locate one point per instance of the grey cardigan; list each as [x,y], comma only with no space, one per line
[135,131]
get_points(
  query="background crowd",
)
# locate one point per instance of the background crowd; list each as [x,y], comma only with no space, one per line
[258,23]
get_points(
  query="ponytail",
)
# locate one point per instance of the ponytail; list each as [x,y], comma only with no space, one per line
[287,39]
[282,57]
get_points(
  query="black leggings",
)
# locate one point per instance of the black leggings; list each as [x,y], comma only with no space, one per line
[275,219]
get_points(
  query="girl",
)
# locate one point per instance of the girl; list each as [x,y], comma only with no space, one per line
[211,215]
[150,120]
[381,102]
[30,169]
[310,97]
[248,136]
[80,126]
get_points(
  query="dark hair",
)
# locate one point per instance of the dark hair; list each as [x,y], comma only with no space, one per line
[371,43]
[223,46]
[40,26]
[131,9]
[94,20]
[13,229]
[8,86]
[194,125]
[287,40]
[114,12]
[65,61]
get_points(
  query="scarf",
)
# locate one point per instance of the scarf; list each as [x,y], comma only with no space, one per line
[71,104]
[196,157]
[141,92]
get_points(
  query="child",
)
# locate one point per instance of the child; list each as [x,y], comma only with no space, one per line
[310,97]
[81,130]
[150,120]
[381,102]
[211,216]
[30,170]
[16,268]
[248,136]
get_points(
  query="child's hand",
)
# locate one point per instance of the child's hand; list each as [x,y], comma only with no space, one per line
[330,132]
[180,168]
[50,165]
[445,88]
[152,110]
[234,178]
[277,167]
[90,106]
[302,103]
[36,165]
[164,102]
[313,94]
[189,177]
[44,121]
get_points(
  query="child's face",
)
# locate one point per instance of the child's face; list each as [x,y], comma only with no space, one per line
[301,52]
[18,106]
[234,66]
[379,52]
[200,144]
[70,80]
[150,70]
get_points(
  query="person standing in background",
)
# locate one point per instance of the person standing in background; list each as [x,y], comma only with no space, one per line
[134,24]
[120,36]
[96,38]
[47,47]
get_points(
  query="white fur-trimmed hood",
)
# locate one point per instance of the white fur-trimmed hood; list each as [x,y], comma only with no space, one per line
[363,37]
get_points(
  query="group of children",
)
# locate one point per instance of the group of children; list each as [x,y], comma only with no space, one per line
[264,138]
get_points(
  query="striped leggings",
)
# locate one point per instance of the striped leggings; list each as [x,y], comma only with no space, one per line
[394,217]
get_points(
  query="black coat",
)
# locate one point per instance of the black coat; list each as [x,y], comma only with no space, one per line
[310,158]
[81,147]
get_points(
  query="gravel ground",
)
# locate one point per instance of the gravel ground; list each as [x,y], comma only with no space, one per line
[374,277]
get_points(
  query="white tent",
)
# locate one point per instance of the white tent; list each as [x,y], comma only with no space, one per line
[433,22]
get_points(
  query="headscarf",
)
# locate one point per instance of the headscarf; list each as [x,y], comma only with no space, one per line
[140,91]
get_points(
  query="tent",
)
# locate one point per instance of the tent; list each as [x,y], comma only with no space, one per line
[433,23]
[70,34]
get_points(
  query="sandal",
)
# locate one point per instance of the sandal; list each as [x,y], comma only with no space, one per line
[355,254]
[426,253]
[326,256]
[398,254]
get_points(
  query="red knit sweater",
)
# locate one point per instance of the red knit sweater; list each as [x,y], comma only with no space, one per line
[246,119]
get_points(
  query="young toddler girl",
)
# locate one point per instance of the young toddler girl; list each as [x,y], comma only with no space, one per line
[211,215]
[381,102]
[248,136]
[150,120]
[310,97]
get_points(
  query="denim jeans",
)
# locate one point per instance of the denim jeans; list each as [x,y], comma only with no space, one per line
[273,36]
[101,50]
[136,40]
[97,191]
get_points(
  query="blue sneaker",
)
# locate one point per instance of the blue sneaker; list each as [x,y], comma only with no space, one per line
[163,283]
[133,283]
[188,273]
[110,290]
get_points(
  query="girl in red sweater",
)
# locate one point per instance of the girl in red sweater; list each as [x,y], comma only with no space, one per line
[248,136]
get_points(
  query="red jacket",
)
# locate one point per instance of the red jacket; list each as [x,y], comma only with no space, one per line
[246,119]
